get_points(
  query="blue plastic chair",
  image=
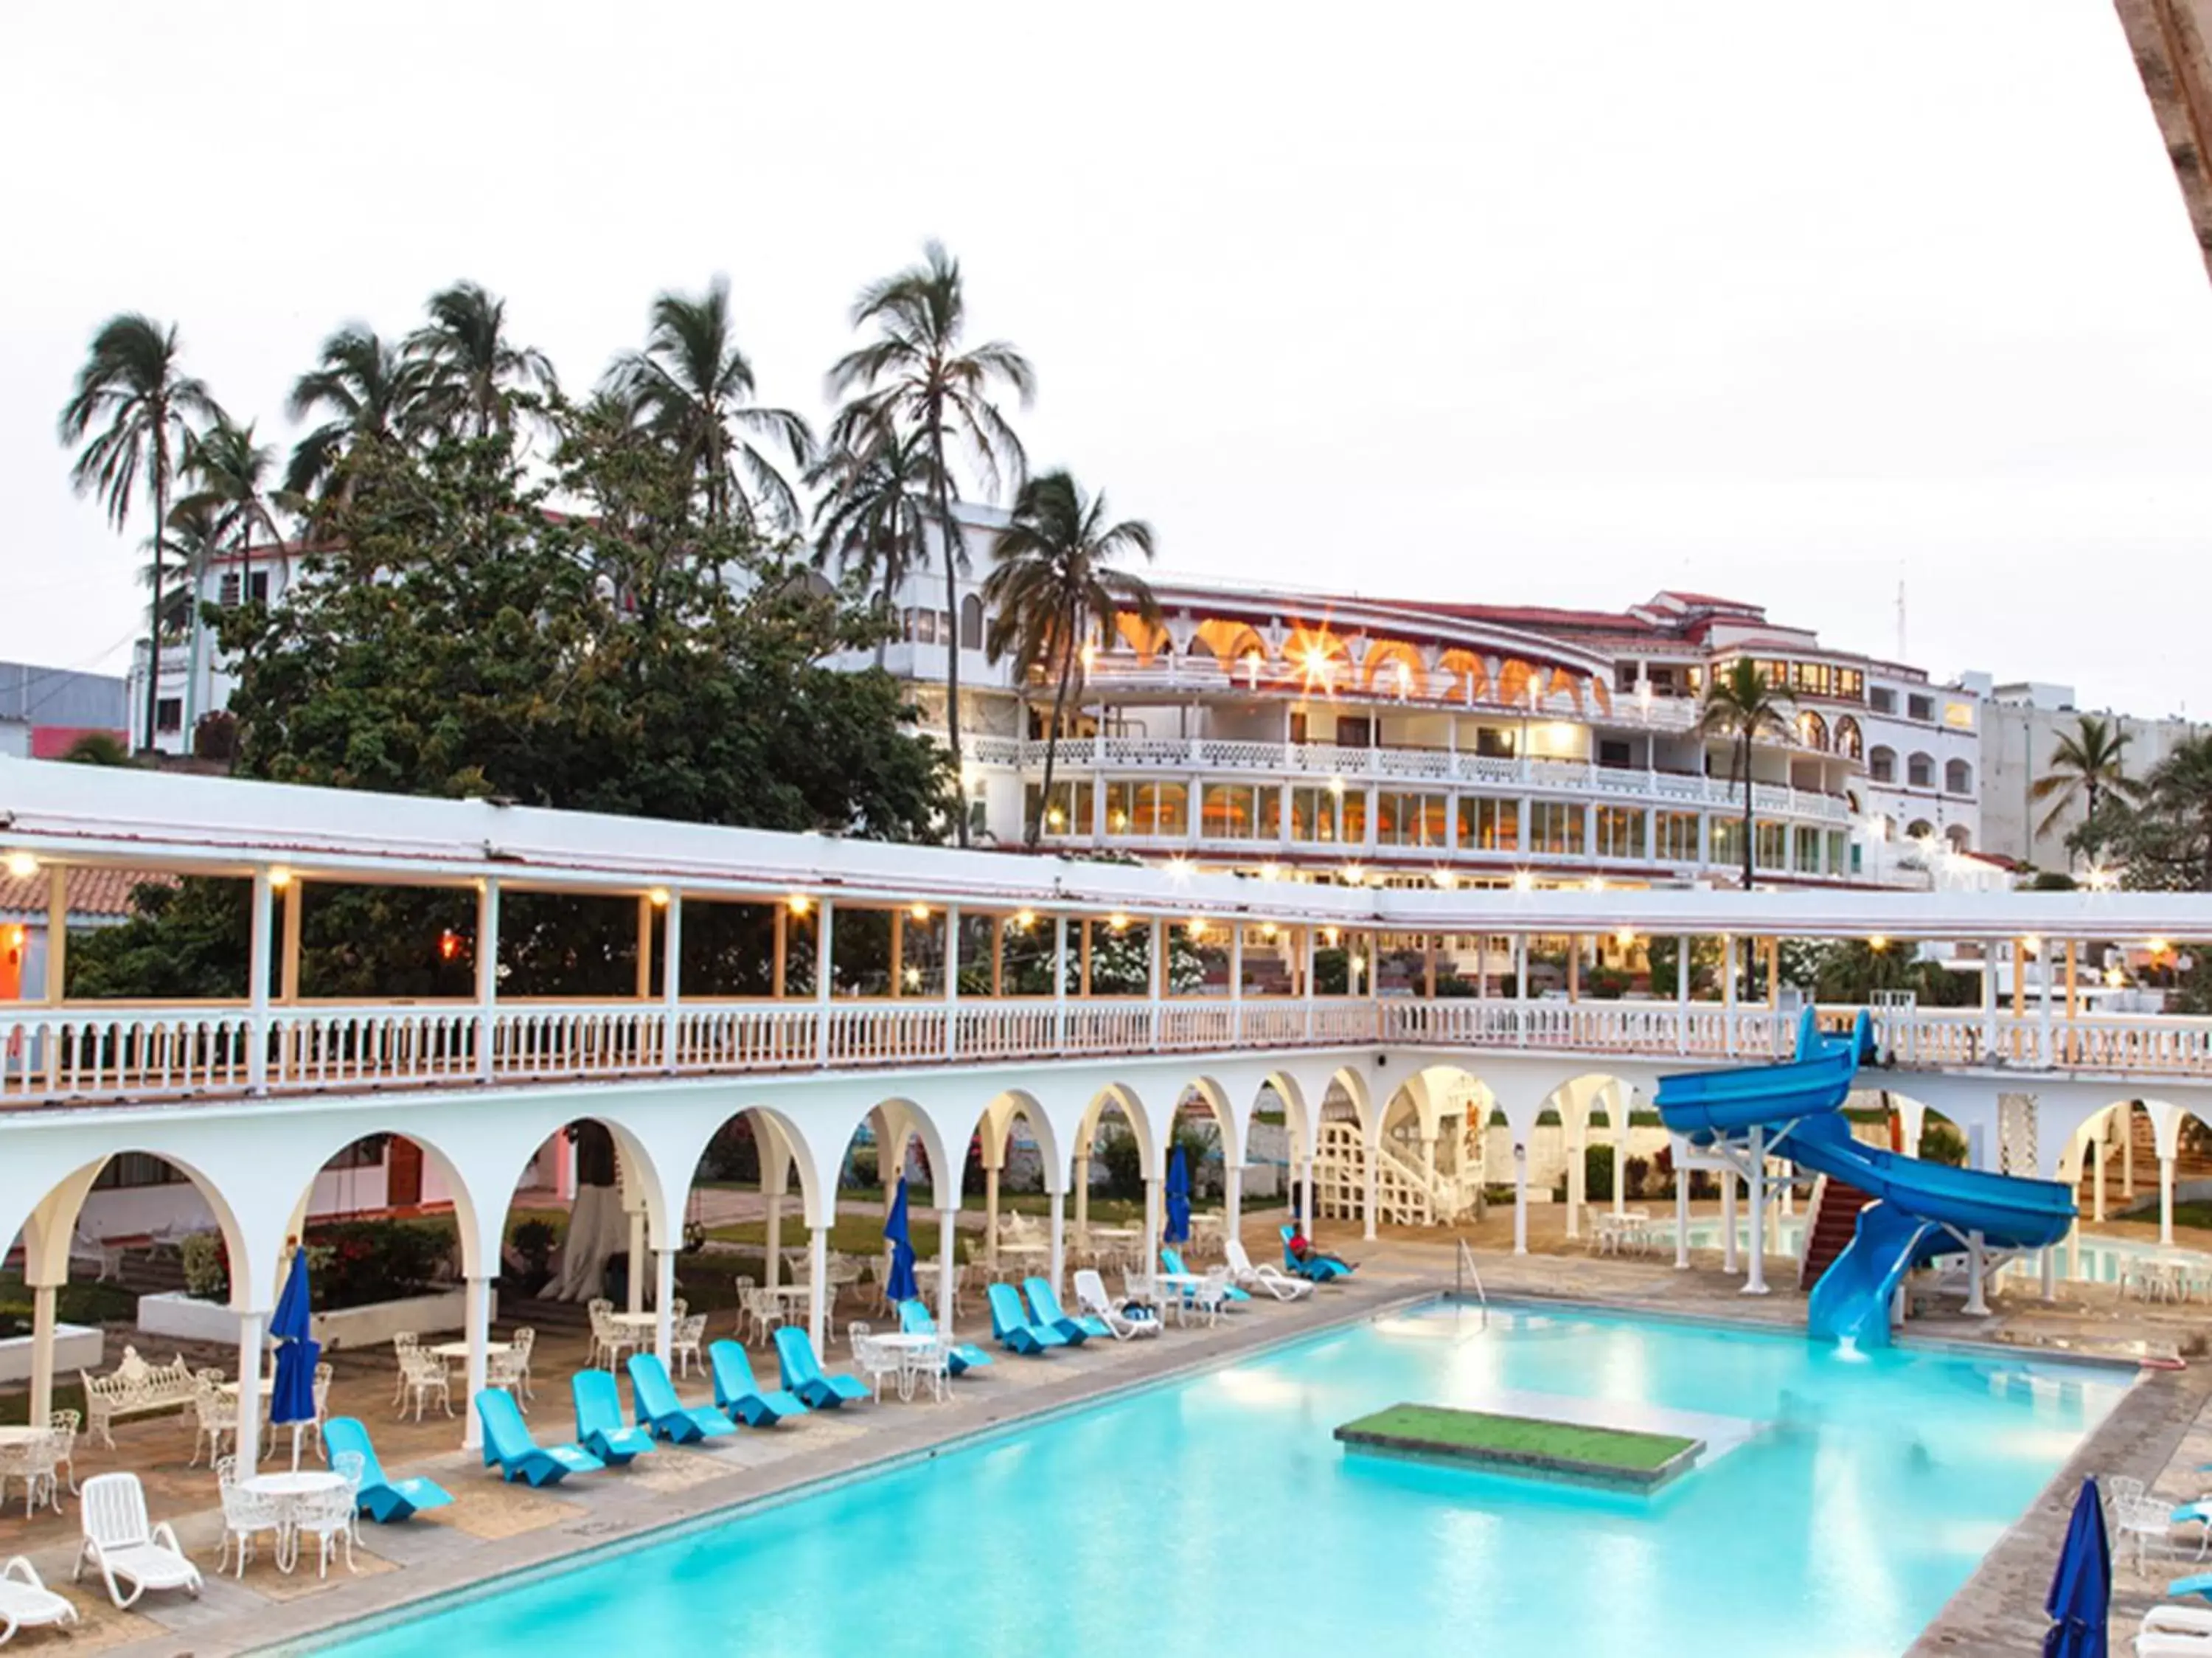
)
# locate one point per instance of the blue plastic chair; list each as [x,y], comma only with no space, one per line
[914,1319]
[803,1373]
[1045,1304]
[509,1448]
[1318,1271]
[383,1499]
[600,1429]
[737,1392]
[1010,1326]
[654,1396]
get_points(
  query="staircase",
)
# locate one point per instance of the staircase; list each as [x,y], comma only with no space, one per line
[1834,1222]
[1406,1194]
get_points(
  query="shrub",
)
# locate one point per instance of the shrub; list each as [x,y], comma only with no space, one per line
[861,1168]
[1597,1174]
[207,1267]
[534,1242]
[1941,1143]
[373,1261]
[1639,1173]
[731,1155]
[1662,1173]
[1125,1175]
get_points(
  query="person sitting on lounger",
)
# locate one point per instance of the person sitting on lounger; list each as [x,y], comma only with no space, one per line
[1304,1253]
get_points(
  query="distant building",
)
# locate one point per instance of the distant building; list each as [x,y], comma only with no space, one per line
[44,709]
[2022,724]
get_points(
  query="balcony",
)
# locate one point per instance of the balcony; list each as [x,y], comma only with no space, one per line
[1529,774]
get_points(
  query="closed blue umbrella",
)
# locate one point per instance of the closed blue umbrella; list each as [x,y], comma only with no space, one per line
[2080,1599]
[1178,1198]
[901,1286]
[292,1397]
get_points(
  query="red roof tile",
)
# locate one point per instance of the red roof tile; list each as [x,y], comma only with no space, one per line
[102,892]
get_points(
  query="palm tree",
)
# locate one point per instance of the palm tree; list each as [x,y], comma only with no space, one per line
[1052,581]
[2180,791]
[2088,763]
[366,388]
[695,387]
[188,546]
[231,472]
[1742,706]
[869,519]
[914,378]
[467,371]
[131,389]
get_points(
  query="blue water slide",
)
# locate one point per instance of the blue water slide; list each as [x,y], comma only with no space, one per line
[1922,1210]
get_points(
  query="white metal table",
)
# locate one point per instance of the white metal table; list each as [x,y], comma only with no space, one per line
[289,1492]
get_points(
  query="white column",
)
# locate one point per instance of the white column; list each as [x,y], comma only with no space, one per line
[250,1344]
[1731,1258]
[2165,1202]
[672,982]
[1728,994]
[952,982]
[991,1218]
[1755,1284]
[2074,1249]
[1520,1199]
[476,1312]
[818,1287]
[1059,1201]
[1990,1002]
[1623,1099]
[1577,1181]
[1371,1195]
[2097,1179]
[1152,1223]
[2127,1153]
[948,1260]
[825,924]
[257,998]
[2047,1259]
[1082,1166]
[636,1260]
[42,1353]
[487,976]
[1681,997]
[770,1273]
[664,1298]
[1232,1200]
[1682,1210]
[1060,979]
[1977,1304]
[1305,1210]
[2047,1053]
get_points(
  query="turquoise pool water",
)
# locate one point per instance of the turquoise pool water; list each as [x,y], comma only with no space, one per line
[2097,1258]
[1218,1516]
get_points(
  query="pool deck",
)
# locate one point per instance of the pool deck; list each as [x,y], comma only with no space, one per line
[2159,1432]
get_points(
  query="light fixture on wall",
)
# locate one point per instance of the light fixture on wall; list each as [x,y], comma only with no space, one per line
[798,904]
[659,897]
[22,865]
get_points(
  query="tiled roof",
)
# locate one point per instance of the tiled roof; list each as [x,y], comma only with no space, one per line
[102,892]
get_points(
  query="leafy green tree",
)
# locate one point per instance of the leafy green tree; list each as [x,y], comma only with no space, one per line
[96,748]
[129,411]
[230,475]
[467,375]
[695,389]
[1742,707]
[2163,840]
[2087,766]
[365,390]
[870,513]
[919,378]
[1052,581]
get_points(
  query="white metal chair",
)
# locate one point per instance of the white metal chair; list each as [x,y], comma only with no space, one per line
[26,1603]
[929,1363]
[2144,1519]
[66,1426]
[425,1377]
[216,1415]
[127,1548]
[522,1345]
[873,1360]
[328,1518]
[246,1516]
[688,1336]
[403,1342]
[32,1460]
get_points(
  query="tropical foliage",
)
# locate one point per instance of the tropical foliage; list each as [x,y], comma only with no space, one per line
[2087,767]
[1053,586]
[1741,707]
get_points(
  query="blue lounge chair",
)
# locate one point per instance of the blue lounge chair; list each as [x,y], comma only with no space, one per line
[383,1499]
[1171,1260]
[657,1407]
[1010,1326]
[803,1373]
[600,1429]
[1045,1305]
[1318,1272]
[509,1447]
[737,1393]
[914,1319]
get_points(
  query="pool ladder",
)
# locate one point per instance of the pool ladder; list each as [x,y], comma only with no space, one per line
[1466,1272]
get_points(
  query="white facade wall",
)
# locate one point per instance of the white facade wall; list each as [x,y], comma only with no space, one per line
[2023,727]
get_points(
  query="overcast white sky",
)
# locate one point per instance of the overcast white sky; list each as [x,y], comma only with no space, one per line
[1538,304]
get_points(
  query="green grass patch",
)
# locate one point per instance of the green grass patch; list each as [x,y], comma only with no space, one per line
[1617,1455]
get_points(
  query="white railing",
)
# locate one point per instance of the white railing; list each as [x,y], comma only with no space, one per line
[86,1053]
[1083,757]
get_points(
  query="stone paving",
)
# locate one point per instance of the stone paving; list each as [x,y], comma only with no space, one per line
[2160,1433]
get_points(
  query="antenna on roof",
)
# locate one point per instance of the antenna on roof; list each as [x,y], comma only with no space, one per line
[1901,655]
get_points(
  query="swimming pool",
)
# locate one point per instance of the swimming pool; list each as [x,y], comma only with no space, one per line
[2098,1258]
[1217,1515]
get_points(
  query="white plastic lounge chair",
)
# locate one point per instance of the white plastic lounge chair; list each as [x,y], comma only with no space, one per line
[1091,1296]
[2166,1643]
[2179,1620]
[1268,1278]
[27,1603]
[126,1548]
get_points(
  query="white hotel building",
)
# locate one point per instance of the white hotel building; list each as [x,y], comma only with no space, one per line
[1405,742]
[1321,734]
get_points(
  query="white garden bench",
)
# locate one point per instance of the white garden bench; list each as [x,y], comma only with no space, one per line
[134,1388]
